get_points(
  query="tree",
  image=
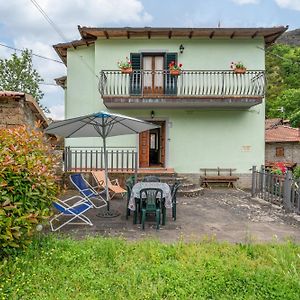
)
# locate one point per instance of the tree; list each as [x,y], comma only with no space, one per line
[283,82]
[17,74]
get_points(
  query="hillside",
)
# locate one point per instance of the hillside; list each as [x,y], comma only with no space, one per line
[291,38]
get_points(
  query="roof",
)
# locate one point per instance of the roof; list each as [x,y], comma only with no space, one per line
[36,110]
[282,133]
[269,123]
[90,34]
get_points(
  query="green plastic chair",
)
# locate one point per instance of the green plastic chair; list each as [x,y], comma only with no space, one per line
[174,189]
[151,202]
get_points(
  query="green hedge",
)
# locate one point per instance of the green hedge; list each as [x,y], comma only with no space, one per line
[27,185]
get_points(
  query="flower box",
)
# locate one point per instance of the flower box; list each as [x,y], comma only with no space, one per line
[175,72]
[126,70]
[239,70]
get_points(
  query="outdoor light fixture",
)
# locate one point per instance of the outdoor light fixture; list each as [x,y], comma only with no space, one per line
[181,48]
[152,114]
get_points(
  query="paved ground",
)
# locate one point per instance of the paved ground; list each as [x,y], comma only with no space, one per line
[224,214]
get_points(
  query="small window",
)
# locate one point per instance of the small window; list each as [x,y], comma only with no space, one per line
[279,151]
[153,141]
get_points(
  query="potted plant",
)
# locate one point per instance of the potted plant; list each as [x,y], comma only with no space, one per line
[125,66]
[238,67]
[175,69]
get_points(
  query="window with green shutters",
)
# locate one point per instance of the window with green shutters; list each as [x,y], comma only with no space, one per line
[135,77]
[170,81]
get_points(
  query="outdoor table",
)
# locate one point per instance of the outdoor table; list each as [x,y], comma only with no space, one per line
[135,193]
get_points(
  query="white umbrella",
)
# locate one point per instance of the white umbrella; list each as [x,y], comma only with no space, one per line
[101,124]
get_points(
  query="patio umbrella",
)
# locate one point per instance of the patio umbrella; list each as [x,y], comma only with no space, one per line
[101,124]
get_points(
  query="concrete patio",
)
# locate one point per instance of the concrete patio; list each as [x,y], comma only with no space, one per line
[222,214]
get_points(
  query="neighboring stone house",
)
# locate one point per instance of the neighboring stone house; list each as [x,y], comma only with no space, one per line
[282,143]
[20,109]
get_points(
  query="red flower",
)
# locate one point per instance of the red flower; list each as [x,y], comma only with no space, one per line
[180,65]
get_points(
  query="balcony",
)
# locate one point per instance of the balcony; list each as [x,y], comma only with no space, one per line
[191,89]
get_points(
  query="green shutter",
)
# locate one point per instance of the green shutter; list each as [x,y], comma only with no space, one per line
[171,81]
[135,77]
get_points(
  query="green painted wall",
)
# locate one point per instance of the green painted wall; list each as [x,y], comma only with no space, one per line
[195,138]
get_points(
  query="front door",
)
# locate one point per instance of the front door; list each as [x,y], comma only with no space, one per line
[153,78]
[152,146]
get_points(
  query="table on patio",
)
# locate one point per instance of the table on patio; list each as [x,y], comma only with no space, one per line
[135,193]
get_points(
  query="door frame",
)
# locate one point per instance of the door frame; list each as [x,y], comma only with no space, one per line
[167,139]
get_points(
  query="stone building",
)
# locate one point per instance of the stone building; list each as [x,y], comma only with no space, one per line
[282,143]
[20,109]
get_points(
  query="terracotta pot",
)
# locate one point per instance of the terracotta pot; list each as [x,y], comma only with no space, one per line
[175,72]
[126,71]
[239,70]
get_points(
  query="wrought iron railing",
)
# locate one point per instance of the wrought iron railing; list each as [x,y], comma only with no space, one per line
[190,83]
[86,159]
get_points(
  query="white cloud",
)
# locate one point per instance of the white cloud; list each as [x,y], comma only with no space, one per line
[242,2]
[23,26]
[290,4]
[57,112]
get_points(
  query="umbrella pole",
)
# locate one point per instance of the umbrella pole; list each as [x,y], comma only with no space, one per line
[106,173]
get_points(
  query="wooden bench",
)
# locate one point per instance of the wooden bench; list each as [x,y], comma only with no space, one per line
[218,175]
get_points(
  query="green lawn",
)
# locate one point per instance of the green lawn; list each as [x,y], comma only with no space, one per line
[105,268]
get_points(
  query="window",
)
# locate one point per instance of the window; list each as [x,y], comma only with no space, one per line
[279,151]
[153,141]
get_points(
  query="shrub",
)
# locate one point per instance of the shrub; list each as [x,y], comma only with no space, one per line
[27,185]
[296,172]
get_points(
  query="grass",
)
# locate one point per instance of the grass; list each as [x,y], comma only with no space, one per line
[106,268]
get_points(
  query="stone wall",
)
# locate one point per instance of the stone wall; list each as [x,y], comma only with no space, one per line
[11,112]
[291,152]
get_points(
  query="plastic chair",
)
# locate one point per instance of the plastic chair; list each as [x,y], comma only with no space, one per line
[113,185]
[88,191]
[128,188]
[72,212]
[174,189]
[151,203]
[151,178]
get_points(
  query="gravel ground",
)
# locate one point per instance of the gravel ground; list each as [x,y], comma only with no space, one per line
[222,214]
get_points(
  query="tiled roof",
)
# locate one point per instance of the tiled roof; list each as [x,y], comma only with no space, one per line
[272,122]
[282,133]
[11,94]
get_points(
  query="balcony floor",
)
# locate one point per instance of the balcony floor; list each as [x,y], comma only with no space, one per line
[199,102]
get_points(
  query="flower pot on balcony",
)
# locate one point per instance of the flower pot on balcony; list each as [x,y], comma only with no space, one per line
[126,71]
[175,72]
[239,70]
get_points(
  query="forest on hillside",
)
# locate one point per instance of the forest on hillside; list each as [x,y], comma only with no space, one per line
[283,83]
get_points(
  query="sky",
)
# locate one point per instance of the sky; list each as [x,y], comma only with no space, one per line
[23,26]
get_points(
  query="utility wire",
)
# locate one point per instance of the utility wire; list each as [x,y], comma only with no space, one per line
[278,56]
[60,33]
[37,55]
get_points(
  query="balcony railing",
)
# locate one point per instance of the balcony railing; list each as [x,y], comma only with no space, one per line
[86,159]
[190,83]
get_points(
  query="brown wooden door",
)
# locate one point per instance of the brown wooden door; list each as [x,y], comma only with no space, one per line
[163,144]
[144,147]
[153,78]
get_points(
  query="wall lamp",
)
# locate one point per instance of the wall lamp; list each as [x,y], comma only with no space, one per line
[181,48]
[152,114]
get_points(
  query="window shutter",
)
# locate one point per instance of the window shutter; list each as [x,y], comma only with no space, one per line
[279,151]
[171,81]
[135,77]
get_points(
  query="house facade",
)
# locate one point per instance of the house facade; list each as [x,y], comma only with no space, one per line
[209,116]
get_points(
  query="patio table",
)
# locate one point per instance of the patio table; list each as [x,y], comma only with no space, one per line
[135,193]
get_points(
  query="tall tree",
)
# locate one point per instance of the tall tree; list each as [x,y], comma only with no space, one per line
[17,74]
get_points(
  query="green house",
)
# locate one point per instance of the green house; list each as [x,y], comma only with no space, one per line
[209,115]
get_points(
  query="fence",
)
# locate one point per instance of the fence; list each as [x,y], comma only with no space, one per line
[86,159]
[277,189]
